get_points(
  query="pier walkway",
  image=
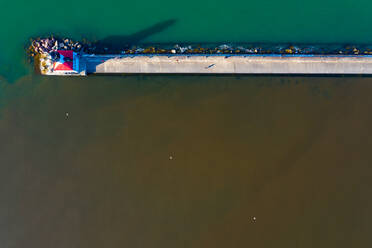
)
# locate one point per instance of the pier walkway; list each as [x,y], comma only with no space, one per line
[222,64]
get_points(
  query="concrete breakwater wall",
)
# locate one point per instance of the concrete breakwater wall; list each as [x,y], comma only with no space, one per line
[212,64]
[237,64]
[66,57]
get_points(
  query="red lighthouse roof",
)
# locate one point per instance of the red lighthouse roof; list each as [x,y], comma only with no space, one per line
[65,62]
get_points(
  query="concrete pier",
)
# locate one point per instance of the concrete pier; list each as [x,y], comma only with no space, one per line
[231,64]
[85,64]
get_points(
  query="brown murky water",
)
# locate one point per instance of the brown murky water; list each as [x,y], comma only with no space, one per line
[169,161]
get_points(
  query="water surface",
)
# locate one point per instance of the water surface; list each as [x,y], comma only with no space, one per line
[184,161]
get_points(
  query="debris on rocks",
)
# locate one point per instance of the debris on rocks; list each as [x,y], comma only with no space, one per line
[48,45]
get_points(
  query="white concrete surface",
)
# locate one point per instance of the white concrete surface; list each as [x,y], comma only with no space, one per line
[235,64]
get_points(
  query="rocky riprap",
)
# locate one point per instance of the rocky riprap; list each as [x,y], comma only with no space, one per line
[51,44]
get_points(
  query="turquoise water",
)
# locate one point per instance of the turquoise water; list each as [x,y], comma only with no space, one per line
[270,21]
[184,161]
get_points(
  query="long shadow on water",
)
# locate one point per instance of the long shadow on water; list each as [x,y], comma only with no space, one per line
[120,42]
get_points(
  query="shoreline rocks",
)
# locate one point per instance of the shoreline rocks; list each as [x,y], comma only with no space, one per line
[51,44]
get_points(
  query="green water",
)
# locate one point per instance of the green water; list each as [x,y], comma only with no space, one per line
[236,20]
[184,161]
